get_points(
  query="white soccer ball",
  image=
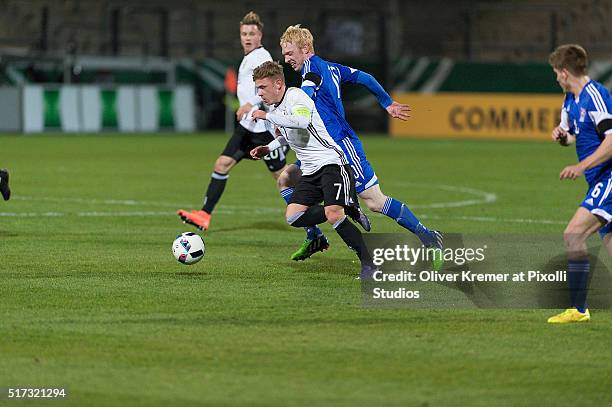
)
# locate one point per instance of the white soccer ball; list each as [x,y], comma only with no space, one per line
[188,248]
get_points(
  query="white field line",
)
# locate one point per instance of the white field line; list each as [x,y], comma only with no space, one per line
[127,202]
[96,214]
[31,214]
[258,211]
[494,219]
[481,197]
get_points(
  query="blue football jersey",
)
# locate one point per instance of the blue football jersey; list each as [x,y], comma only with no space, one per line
[322,81]
[588,118]
[326,78]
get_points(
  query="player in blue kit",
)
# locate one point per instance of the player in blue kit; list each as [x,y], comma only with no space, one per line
[586,121]
[322,81]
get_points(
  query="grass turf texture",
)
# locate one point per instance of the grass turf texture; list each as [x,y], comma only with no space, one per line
[92,299]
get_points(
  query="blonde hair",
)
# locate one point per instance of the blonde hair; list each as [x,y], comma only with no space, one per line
[251,18]
[298,36]
[269,69]
[571,57]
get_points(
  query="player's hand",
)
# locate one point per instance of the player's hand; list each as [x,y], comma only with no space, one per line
[560,135]
[258,114]
[243,110]
[571,172]
[260,152]
[398,111]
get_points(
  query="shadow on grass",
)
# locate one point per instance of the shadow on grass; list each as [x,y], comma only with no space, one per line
[191,274]
[326,263]
[252,226]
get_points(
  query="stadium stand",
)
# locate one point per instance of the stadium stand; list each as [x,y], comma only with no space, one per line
[155,42]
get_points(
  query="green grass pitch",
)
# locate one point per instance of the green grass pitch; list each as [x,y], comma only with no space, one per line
[92,300]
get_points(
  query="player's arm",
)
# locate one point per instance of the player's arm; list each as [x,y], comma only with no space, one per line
[395,109]
[562,133]
[249,107]
[562,136]
[601,155]
[262,151]
[245,110]
[300,117]
[278,142]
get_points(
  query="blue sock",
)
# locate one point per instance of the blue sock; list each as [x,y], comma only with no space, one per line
[578,276]
[400,213]
[286,194]
[311,232]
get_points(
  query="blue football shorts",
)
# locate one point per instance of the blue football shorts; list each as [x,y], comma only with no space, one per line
[598,201]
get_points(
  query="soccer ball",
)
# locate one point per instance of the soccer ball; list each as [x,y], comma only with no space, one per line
[188,248]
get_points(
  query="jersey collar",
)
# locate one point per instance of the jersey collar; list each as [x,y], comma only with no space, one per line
[307,59]
[584,89]
[283,98]
[261,46]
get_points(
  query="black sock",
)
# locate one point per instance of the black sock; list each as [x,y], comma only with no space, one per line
[578,279]
[214,191]
[353,239]
[314,215]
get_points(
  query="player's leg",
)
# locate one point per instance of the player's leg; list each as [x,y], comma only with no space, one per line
[582,225]
[277,174]
[354,155]
[4,184]
[376,201]
[354,211]
[288,179]
[338,191]
[233,152]
[366,183]
[218,180]
[607,240]
[605,232]
[368,189]
[349,233]
[315,239]
[307,195]
[299,215]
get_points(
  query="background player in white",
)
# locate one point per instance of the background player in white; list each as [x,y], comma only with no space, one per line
[247,133]
[586,121]
[325,173]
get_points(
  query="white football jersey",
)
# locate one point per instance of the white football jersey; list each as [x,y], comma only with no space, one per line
[313,145]
[246,91]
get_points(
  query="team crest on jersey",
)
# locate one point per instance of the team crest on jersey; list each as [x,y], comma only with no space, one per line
[582,114]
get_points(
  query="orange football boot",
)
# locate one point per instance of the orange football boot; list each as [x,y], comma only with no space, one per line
[199,219]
